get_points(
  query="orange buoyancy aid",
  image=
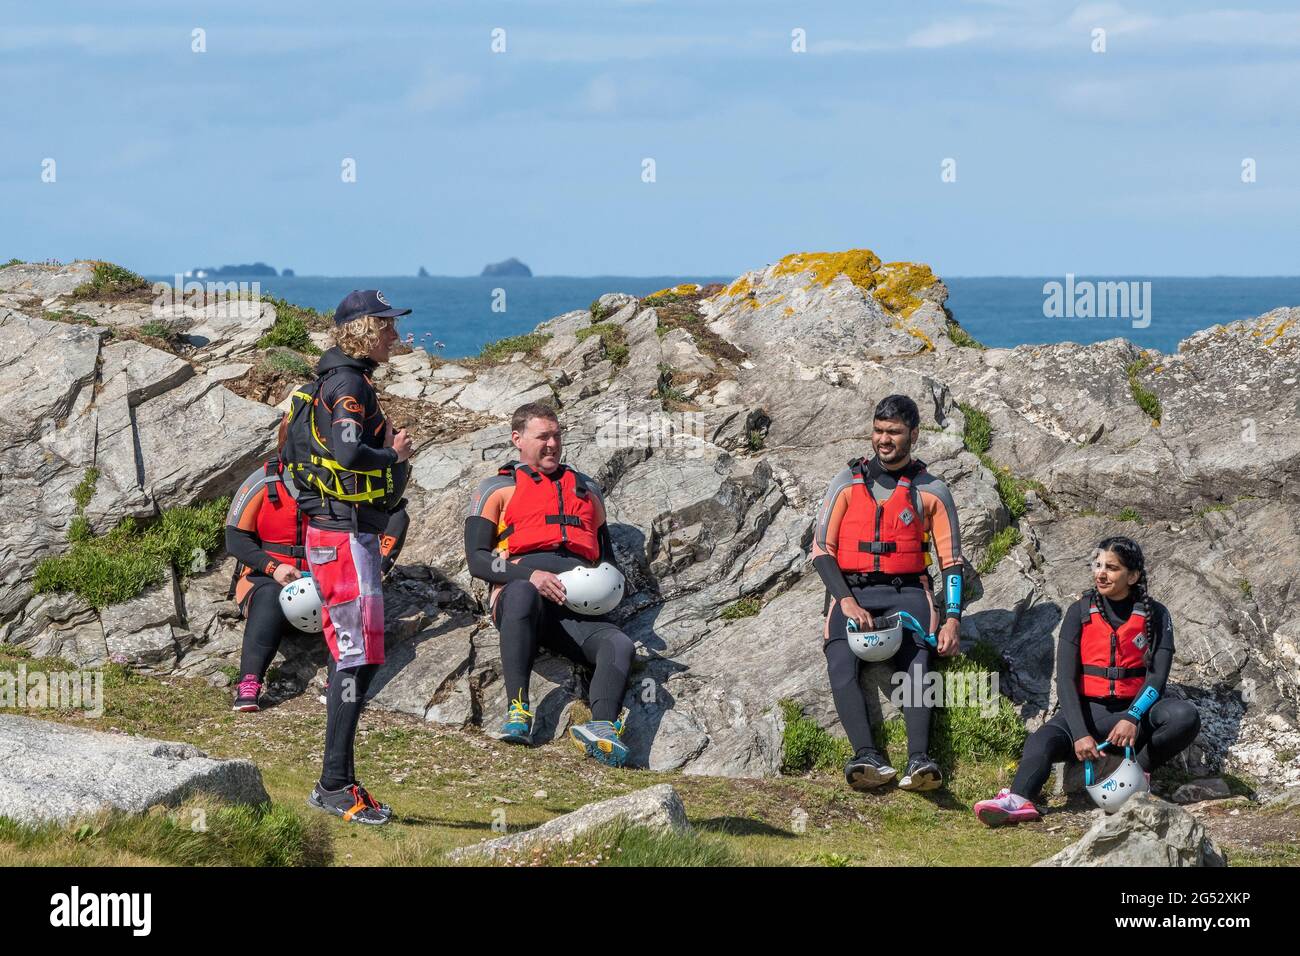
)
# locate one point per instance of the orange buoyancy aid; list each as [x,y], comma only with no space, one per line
[1113,659]
[888,536]
[547,513]
[281,526]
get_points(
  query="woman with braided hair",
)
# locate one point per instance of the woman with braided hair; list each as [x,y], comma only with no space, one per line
[1112,662]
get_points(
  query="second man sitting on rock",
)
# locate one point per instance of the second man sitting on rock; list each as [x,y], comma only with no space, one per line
[536,533]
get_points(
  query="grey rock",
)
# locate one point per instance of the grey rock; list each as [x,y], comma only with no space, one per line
[658,807]
[1197,791]
[45,281]
[1146,831]
[502,389]
[52,772]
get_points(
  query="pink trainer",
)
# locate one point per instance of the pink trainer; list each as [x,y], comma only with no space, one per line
[1006,808]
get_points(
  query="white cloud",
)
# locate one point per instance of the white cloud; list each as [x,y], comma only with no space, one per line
[435,91]
[948,33]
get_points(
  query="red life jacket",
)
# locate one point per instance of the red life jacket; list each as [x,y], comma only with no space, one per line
[1113,660]
[281,527]
[546,514]
[889,536]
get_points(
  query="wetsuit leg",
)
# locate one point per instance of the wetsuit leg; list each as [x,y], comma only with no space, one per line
[1049,744]
[913,657]
[263,629]
[596,643]
[347,695]
[842,668]
[518,617]
[1173,725]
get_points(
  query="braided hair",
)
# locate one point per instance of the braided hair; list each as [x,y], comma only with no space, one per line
[1130,555]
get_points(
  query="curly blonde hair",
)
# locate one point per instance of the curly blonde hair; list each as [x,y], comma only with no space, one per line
[358,337]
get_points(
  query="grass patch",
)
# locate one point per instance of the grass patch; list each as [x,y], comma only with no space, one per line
[1244,587]
[668,393]
[85,489]
[807,745]
[755,439]
[201,832]
[14,262]
[745,607]
[502,349]
[107,279]
[1129,514]
[977,436]
[1000,546]
[283,360]
[117,566]
[1146,399]
[977,432]
[969,733]
[622,845]
[613,341]
[960,337]
[293,327]
[599,313]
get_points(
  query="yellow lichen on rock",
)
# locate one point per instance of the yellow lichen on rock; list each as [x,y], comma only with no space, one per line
[858,265]
[900,284]
[1278,332]
[686,288]
[915,333]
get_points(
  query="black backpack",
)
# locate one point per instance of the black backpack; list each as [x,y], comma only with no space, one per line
[311,465]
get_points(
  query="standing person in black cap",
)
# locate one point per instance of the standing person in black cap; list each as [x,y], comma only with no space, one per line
[349,484]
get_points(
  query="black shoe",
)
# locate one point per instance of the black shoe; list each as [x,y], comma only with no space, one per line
[868,770]
[922,774]
[352,803]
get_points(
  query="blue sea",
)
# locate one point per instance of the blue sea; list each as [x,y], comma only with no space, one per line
[1000,312]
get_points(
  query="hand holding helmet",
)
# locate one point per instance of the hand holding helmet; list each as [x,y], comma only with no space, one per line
[592,591]
[300,602]
[1113,791]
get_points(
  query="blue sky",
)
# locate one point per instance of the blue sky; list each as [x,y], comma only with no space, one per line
[1122,162]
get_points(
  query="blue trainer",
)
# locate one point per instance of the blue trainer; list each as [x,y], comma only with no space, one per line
[600,739]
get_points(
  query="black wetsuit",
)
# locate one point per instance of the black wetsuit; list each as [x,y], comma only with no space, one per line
[1164,730]
[528,622]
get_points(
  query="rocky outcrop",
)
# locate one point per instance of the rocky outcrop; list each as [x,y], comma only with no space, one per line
[715,419]
[507,267]
[658,808]
[1146,831]
[51,772]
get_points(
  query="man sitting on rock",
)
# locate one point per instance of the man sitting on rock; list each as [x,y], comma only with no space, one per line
[871,547]
[533,520]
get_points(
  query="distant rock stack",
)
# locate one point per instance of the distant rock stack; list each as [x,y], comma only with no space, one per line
[423,273]
[510,267]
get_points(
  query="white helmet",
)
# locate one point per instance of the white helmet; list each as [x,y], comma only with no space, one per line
[592,591]
[879,644]
[300,602]
[1113,791]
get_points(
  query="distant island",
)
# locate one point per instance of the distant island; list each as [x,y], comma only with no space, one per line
[286,273]
[423,273]
[511,267]
[243,269]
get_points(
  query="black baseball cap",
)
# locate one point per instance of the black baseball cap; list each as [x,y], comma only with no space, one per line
[362,302]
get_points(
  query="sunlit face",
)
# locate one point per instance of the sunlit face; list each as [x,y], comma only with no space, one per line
[892,440]
[539,444]
[387,339]
[1112,579]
